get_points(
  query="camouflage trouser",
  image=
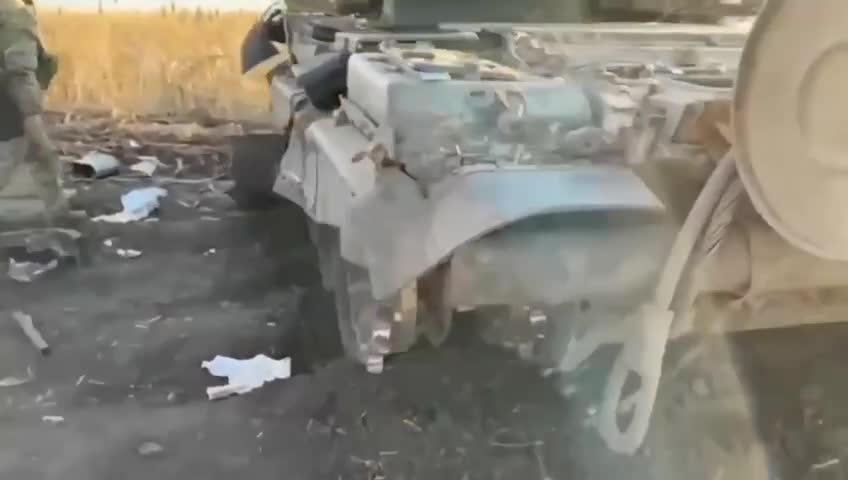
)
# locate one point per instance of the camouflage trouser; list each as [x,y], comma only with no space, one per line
[23,174]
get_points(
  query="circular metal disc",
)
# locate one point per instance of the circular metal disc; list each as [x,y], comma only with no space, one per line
[791,122]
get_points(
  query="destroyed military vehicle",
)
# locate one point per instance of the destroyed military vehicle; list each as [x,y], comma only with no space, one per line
[580,178]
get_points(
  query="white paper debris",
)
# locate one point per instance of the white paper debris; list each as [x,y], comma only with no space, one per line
[26,272]
[17,381]
[128,253]
[245,375]
[147,449]
[138,205]
[54,419]
[108,242]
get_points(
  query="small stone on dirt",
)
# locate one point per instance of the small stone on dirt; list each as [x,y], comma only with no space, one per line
[148,449]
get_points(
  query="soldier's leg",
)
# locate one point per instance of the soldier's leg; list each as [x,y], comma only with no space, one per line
[47,172]
[12,153]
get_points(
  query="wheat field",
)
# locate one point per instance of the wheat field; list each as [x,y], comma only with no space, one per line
[159,62]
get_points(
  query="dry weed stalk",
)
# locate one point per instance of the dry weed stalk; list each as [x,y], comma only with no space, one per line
[159,62]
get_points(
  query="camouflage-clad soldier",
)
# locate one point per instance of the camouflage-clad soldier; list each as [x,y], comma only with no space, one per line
[25,70]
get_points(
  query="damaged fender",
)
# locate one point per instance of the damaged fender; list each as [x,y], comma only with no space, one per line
[399,234]
[261,52]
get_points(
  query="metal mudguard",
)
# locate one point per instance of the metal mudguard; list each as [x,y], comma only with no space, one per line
[261,50]
[399,233]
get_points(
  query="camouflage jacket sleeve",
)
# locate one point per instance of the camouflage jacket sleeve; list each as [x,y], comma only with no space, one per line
[20,62]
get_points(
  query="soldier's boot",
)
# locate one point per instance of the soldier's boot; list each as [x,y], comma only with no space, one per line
[46,175]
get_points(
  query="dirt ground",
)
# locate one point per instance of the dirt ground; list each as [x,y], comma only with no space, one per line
[128,337]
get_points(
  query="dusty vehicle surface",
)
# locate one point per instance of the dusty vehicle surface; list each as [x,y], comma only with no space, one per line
[581,184]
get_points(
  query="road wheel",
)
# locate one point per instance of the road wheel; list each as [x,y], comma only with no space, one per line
[703,427]
[352,291]
[350,286]
[255,165]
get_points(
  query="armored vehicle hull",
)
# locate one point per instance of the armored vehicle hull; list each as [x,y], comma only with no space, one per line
[580,184]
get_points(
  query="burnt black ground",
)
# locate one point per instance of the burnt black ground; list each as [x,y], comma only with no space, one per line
[119,382]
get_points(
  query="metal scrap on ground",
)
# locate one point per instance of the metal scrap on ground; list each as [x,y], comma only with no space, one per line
[179,144]
[26,272]
[96,165]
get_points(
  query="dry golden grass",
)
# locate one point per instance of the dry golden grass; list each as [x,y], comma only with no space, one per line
[151,62]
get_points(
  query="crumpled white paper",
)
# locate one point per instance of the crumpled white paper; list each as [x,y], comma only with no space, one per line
[138,205]
[245,375]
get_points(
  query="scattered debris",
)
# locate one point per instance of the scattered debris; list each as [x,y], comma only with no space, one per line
[151,321]
[389,453]
[148,449]
[80,380]
[108,242]
[26,272]
[540,461]
[17,381]
[53,419]
[569,390]
[245,375]
[210,252]
[498,444]
[375,469]
[25,322]
[414,426]
[189,204]
[62,241]
[92,381]
[824,465]
[138,205]
[40,398]
[95,165]
[128,253]
[147,165]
